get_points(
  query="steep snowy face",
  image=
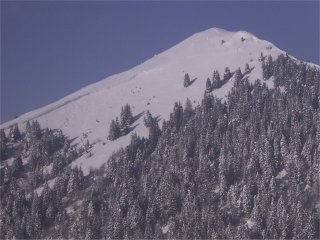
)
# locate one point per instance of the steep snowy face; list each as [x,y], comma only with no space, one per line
[154,85]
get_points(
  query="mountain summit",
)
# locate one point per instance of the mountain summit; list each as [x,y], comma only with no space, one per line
[153,85]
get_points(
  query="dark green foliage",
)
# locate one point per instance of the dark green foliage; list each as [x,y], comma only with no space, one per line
[208,86]
[126,118]
[188,111]
[154,130]
[262,57]
[114,130]
[186,81]
[238,75]
[16,167]
[148,119]
[33,130]
[247,68]
[216,81]
[176,116]
[14,133]
[3,145]
[267,68]
[227,74]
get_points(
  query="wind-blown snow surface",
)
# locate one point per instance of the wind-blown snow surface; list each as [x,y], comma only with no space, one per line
[155,85]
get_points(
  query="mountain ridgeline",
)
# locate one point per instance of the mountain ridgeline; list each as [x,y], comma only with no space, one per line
[247,167]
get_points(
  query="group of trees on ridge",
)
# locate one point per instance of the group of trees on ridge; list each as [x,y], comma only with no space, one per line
[216,82]
[117,128]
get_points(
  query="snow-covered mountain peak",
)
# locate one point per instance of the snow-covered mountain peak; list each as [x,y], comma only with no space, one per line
[213,32]
[153,85]
[217,35]
[219,32]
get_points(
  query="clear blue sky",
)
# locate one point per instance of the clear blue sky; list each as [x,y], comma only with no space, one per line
[51,49]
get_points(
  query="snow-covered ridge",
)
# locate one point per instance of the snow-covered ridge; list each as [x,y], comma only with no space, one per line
[153,85]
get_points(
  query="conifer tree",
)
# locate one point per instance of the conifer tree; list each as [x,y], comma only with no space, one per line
[267,68]
[3,145]
[35,130]
[114,130]
[186,81]
[216,81]
[148,119]
[188,111]
[227,74]
[14,134]
[247,68]
[238,75]
[262,57]
[126,118]
[208,86]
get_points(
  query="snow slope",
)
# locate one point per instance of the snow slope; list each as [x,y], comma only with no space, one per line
[155,85]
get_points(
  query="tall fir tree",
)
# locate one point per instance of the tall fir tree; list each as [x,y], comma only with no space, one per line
[126,118]
[227,74]
[114,130]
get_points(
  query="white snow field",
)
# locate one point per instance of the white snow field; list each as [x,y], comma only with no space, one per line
[153,85]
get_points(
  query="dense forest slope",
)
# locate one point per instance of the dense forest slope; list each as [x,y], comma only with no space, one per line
[247,167]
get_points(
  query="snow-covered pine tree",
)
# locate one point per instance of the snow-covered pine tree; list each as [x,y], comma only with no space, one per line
[14,133]
[114,130]
[227,74]
[267,68]
[238,75]
[216,80]
[3,145]
[148,119]
[126,118]
[208,86]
